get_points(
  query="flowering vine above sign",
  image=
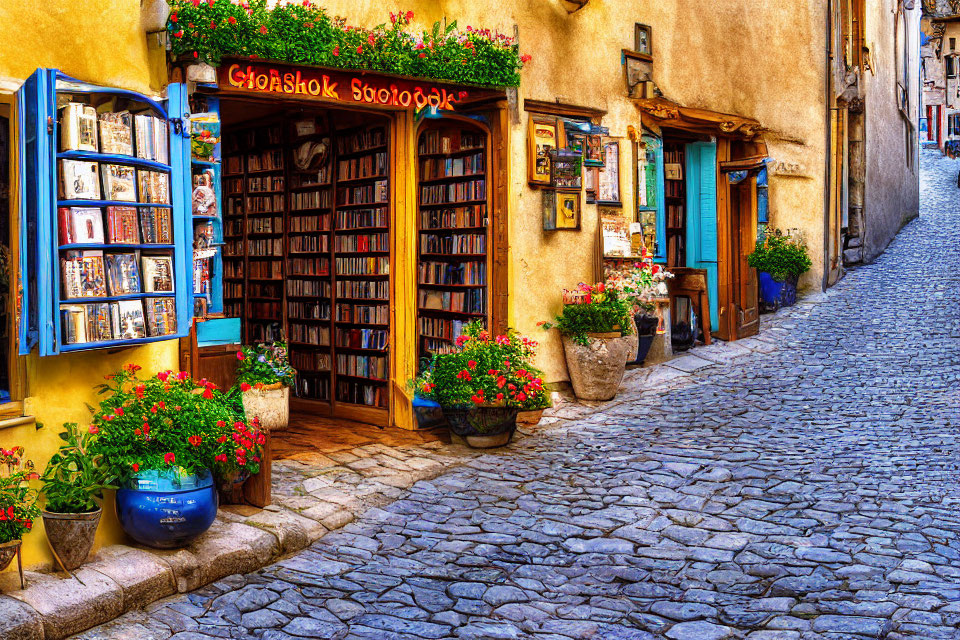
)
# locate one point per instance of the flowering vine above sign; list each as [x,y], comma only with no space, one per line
[303,33]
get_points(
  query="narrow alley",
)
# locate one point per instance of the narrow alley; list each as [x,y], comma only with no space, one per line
[807,488]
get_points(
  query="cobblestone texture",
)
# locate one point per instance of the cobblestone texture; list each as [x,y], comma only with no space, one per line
[798,485]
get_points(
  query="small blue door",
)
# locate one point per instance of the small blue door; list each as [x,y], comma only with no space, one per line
[701,171]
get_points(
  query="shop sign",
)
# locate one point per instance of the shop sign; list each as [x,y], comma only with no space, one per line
[328,84]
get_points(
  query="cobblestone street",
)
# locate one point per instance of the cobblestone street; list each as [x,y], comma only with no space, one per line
[806,488]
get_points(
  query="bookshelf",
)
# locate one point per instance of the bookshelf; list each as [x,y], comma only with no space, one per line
[207,206]
[453,232]
[307,254]
[675,201]
[116,227]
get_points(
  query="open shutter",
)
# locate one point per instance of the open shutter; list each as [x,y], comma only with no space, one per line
[180,194]
[702,215]
[35,106]
[660,255]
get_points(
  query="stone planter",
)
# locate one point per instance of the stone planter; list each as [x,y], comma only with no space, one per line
[8,551]
[632,341]
[596,369]
[167,509]
[70,536]
[271,404]
[482,427]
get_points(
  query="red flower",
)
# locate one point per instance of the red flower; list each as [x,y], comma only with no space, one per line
[306,3]
[371,39]
[196,55]
[207,394]
[240,355]
[308,25]
[241,452]
[222,439]
[360,49]
[169,458]
[183,375]
[472,363]
[492,372]
[210,2]
[499,396]
[221,424]
[263,30]
[195,440]
[409,16]
[118,411]
[221,458]
[28,524]
[213,25]
[336,50]
[238,425]
[232,20]
[501,381]
[107,418]
[137,432]
[94,429]
[153,409]
[176,408]
[423,55]
[163,375]
[162,404]
[526,58]
[139,389]
[477,399]
[178,34]
[522,373]
[244,386]
[173,18]
[521,397]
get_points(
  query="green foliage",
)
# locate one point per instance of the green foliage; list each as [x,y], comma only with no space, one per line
[18,502]
[74,479]
[485,371]
[597,309]
[264,364]
[780,255]
[303,33]
[170,421]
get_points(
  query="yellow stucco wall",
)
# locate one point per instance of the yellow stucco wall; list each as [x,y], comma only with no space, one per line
[725,59]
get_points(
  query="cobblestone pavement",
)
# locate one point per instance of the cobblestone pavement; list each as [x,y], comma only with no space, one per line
[808,492]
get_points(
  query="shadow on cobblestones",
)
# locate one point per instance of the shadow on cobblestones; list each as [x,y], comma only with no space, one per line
[810,492]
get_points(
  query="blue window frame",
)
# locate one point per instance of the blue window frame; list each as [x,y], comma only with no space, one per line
[40,251]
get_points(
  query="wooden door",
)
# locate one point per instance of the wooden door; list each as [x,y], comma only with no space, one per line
[743,234]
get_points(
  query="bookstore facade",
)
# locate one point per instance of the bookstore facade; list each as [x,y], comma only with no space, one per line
[357,222]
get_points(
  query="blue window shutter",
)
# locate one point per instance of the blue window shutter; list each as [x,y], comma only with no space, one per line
[661,255]
[181,184]
[35,104]
[701,167]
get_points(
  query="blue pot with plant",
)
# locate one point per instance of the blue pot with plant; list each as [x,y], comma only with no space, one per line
[780,259]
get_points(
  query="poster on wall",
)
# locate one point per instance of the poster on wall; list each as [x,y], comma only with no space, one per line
[608,180]
[615,232]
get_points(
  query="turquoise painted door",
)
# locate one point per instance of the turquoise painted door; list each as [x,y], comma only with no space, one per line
[701,160]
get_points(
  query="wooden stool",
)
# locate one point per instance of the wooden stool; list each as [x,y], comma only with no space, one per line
[692,283]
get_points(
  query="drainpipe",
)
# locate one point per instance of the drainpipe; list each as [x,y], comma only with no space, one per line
[828,84]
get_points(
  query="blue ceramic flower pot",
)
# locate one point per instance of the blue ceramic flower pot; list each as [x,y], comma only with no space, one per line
[167,509]
[770,291]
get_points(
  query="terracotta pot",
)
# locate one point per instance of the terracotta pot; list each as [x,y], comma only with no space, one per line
[271,404]
[8,551]
[530,418]
[71,535]
[596,369]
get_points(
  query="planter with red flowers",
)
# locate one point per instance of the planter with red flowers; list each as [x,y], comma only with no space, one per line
[265,376]
[18,503]
[163,441]
[73,485]
[592,325]
[484,384]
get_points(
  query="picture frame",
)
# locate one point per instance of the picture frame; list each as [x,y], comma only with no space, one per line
[608,179]
[590,183]
[643,39]
[593,155]
[566,169]
[561,210]
[673,171]
[542,137]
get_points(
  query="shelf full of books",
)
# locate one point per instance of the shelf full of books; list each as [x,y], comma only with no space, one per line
[205,202]
[113,268]
[452,285]
[307,252]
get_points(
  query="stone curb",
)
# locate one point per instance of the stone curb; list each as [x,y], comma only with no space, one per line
[125,578]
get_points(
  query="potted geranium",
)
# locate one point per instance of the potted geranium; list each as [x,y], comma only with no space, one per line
[18,502]
[592,324]
[162,440]
[483,384]
[265,377]
[780,259]
[73,485]
[639,285]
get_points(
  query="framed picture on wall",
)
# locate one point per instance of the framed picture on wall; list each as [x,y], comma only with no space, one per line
[643,39]
[561,210]
[542,138]
[608,179]
[590,183]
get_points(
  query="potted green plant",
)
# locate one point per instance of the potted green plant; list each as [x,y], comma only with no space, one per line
[592,325]
[780,259]
[639,284]
[162,440]
[265,376]
[73,485]
[18,502]
[484,384]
